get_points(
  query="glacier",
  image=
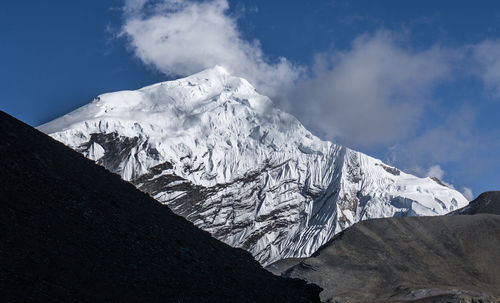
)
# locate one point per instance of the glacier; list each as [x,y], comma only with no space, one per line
[222,155]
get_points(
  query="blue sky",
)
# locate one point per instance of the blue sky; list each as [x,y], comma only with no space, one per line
[414,83]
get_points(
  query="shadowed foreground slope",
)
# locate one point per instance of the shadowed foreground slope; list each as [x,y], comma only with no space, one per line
[424,259]
[71,231]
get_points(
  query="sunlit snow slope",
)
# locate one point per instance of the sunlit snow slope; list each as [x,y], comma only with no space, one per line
[219,153]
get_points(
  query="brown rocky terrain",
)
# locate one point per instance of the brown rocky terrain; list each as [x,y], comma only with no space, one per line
[418,259]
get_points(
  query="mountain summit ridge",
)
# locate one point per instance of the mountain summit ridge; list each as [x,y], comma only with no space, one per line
[220,154]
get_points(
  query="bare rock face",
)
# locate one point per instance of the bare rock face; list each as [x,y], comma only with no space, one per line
[418,259]
[218,153]
[71,231]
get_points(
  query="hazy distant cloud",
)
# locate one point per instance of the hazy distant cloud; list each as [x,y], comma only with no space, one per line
[372,93]
[182,37]
[467,192]
[454,140]
[486,64]
[456,144]
[448,141]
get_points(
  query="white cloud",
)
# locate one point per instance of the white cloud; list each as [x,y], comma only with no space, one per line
[373,93]
[435,171]
[182,37]
[467,192]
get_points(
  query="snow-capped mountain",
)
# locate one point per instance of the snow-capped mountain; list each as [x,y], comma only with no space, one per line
[219,153]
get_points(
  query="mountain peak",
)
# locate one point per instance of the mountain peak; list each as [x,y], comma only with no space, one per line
[220,70]
[220,154]
[215,73]
[167,101]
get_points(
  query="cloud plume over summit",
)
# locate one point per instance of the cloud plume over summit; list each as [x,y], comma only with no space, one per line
[182,37]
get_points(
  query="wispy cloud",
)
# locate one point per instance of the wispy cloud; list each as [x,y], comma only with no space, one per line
[372,93]
[181,37]
[435,171]
[455,142]
[485,63]
[467,192]
[132,7]
[448,141]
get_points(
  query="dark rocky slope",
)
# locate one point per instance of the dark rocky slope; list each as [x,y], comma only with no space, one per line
[70,231]
[421,259]
[487,203]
